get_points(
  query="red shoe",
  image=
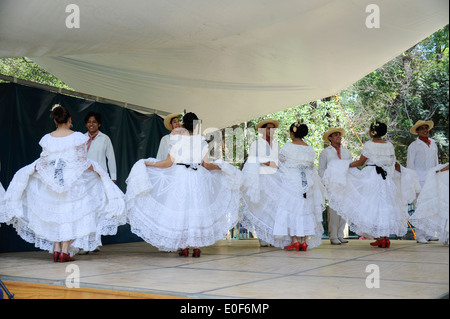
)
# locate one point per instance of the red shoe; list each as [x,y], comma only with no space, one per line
[196,253]
[388,243]
[383,243]
[303,246]
[295,246]
[56,256]
[376,243]
[65,257]
[184,252]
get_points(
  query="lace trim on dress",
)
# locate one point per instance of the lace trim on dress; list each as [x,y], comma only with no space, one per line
[57,144]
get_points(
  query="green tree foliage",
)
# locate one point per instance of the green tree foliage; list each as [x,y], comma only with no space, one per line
[25,69]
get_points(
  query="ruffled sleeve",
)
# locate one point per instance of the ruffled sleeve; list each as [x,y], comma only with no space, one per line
[56,144]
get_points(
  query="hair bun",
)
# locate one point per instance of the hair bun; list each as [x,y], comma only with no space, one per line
[60,114]
[378,129]
[300,130]
[188,121]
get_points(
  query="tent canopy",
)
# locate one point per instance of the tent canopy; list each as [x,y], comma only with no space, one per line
[228,61]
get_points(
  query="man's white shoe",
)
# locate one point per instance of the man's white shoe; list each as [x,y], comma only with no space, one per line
[422,240]
[342,240]
[335,241]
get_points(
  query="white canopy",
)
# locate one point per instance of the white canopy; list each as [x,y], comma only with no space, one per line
[229,61]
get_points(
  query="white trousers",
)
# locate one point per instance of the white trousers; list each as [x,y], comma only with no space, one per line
[336,224]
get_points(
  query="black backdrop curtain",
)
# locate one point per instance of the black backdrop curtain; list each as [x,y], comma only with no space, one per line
[25,119]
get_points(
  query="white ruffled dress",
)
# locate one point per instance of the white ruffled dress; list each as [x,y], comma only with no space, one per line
[62,200]
[184,205]
[288,202]
[373,206]
[2,203]
[431,214]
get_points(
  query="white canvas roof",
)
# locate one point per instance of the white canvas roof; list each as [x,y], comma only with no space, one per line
[229,61]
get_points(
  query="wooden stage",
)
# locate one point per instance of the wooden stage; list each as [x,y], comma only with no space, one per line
[235,269]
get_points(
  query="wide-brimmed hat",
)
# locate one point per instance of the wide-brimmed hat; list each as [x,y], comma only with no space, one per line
[419,123]
[168,119]
[331,131]
[267,121]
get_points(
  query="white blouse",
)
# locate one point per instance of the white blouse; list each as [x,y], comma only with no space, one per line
[62,160]
[380,154]
[190,149]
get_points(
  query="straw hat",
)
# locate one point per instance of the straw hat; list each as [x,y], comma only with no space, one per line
[271,121]
[168,119]
[419,124]
[331,131]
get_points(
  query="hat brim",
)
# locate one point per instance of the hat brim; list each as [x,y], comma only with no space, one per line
[331,131]
[268,121]
[418,124]
[168,119]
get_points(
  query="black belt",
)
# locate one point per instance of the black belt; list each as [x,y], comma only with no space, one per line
[188,166]
[379,170]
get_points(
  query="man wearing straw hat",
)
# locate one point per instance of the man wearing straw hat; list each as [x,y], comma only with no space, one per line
[171,122]
[335,151]
[422,155]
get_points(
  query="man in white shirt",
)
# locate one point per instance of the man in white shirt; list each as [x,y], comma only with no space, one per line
[336,224]
[422,155]
[171,122]
[99,147]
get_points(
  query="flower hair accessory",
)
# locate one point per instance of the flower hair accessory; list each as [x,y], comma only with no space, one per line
[297,125]
[373,130]
[55,106]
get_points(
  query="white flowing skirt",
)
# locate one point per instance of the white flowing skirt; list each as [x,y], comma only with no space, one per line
[179,207]
[431,214]
[2,204]
[91,207]
[372,205]
[275,210]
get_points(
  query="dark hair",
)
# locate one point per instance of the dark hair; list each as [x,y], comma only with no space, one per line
[98,117]
[301,131]
[378,129]
[188,121]
[60,114]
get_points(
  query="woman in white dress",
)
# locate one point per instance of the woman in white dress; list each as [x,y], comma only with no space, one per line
[288,211]
[183,201]
[431,214]
[374,199]
[63,202]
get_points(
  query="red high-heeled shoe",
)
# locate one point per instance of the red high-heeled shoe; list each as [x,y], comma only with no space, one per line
[196,253]
[184,252]
[303,246]
[376,243]
[65,257]
[295,246]
[388,243]
[56,256]
[383,243]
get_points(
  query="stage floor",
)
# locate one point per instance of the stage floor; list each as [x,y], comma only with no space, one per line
[243,269]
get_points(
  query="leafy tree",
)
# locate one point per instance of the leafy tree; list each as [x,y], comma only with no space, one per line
[25,69]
